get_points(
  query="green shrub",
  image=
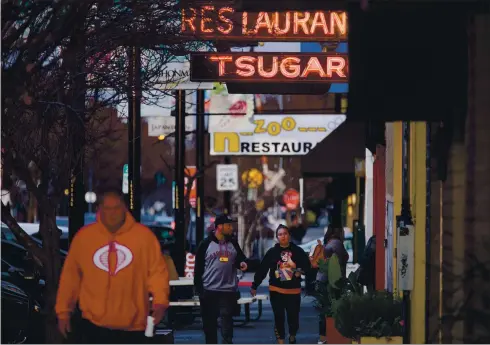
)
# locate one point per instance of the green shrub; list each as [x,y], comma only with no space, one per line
[377,314]
[334,286]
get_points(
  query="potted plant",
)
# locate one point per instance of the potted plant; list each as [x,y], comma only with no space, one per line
[330,290]
[373,318]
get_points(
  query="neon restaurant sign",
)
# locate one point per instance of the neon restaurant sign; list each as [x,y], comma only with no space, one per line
[270,67]
[224,23]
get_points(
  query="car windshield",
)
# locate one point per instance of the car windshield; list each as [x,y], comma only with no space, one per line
[15,255]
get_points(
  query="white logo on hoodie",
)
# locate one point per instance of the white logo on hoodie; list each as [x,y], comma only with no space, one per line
[124,257]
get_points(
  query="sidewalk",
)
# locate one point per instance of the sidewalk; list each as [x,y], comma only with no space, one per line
[262,331]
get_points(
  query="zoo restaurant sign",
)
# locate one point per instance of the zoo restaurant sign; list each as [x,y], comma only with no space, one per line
[284,135]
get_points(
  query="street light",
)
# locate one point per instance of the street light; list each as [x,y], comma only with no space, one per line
[90,197]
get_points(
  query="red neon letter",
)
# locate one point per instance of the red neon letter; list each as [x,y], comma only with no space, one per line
[290,67]
[205,20]
[263,21]
[244,66]
[337,68]
[189,20]
[339,21]
[225,20]
[301,22]
[313,66]
[287,23]
[245,30]
[319,20]
[264,73]
[222,60]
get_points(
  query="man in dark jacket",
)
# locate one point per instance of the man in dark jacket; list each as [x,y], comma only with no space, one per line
[215,279]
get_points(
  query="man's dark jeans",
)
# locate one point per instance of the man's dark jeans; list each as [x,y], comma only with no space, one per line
[88,333]
[213,305]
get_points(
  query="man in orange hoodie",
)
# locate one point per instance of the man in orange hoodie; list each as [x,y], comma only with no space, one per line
[112,267]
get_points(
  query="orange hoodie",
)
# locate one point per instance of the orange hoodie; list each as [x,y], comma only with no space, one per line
[111,276]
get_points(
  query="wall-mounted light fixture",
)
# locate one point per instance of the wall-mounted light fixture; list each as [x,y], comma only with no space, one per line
[354,199]
[351,202]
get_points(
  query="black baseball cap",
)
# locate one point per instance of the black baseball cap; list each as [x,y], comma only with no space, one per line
[223,219]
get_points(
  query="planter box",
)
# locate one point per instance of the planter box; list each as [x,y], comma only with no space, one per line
[385,340]
[333,335]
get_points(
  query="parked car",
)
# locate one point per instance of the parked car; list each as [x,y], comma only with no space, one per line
[32,229]
[19,264]
[22,320]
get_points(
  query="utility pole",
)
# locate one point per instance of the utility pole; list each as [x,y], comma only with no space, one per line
[200,133]
[227,194]
[405,224]
[179,211]
[134,132]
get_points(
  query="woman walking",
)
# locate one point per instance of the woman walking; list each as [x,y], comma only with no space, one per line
[285,263]
[332,244]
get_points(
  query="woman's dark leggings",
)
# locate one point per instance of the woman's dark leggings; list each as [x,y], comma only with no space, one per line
[322,325]
[290,304]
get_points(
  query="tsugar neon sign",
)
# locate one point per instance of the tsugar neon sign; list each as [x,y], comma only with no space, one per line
[270,67]
[224,23]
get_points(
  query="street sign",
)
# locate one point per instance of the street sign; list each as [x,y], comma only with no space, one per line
[176,77]
[165,125]
[291,199]
[274,180]
[125,183]
[226,177]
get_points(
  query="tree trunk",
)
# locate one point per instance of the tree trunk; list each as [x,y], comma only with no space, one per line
[51,238]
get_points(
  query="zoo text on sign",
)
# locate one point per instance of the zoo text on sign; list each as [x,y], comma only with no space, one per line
[270,67]
[224,23]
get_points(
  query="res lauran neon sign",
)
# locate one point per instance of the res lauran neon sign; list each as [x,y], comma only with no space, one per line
[288,68]
[224,22]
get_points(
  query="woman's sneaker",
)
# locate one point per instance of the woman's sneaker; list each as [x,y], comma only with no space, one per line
[292,339]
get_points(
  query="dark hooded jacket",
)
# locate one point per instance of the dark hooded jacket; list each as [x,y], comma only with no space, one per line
[216,265]
[282,277]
